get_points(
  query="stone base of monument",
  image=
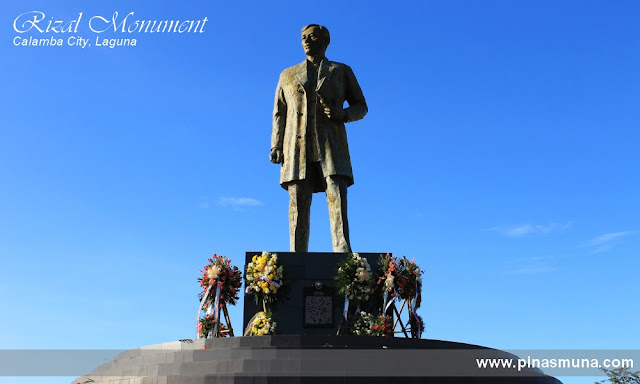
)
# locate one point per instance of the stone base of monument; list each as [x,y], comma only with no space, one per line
[309,359]
[306,348]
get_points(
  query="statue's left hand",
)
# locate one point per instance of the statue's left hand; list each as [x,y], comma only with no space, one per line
[331,112]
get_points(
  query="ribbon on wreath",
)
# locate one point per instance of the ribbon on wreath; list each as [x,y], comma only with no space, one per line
[266,279]
[204,300]
[384,304]
[414,310]
[345,311]
[414,300]
[388,303]
[215,309]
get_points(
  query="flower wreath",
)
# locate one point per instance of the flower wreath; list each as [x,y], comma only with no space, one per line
[264,277]
[219,274]
[401,280]
[263,324]
[353,278]
[207,324]
[220,284]
[366,324]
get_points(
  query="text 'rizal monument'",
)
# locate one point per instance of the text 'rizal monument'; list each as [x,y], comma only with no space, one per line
[311,317]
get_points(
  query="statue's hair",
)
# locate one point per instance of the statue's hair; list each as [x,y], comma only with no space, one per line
[324,32]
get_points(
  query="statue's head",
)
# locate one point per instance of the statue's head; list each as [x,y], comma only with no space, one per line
[315,39]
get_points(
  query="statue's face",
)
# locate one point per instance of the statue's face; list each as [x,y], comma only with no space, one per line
[312,41]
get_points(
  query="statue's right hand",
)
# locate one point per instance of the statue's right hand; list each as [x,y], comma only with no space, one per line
[276,156]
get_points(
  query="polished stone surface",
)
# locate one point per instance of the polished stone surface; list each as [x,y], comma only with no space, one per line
[303,271]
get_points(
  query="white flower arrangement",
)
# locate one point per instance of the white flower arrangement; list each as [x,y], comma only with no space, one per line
[363,324]
[354,278]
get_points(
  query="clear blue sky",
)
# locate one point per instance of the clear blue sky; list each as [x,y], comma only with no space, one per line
[500,150]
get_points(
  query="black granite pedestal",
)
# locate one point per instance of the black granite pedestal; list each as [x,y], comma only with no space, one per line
[311,305]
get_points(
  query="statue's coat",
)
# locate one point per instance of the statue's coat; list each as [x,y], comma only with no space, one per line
[336,84]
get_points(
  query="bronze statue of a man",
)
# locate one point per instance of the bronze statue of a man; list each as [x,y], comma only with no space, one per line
[309,138]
